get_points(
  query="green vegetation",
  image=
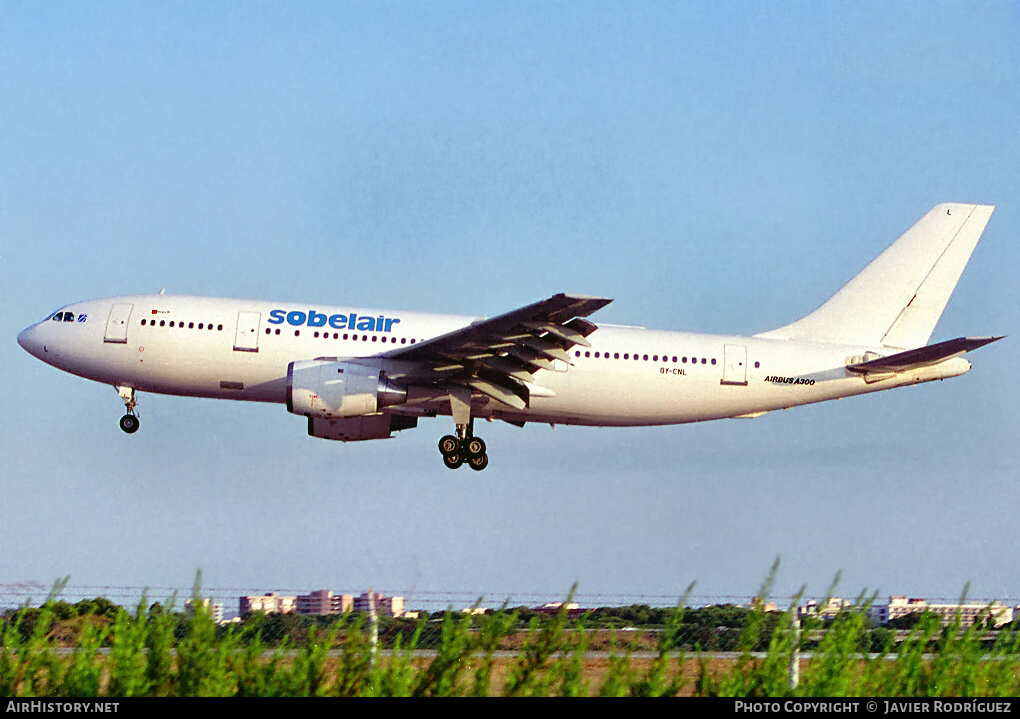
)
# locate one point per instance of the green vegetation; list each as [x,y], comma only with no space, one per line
[95,648]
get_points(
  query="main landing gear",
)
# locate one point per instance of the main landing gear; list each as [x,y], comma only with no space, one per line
[129,422]
[464,447]
[457,451]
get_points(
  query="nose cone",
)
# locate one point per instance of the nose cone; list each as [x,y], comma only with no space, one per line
[29,341]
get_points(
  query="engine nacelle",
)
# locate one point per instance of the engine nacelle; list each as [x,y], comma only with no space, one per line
[352,429]
[329,390]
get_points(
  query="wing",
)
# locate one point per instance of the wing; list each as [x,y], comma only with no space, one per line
[499,356]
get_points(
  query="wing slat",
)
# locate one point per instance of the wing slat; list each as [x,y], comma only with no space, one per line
[496,356]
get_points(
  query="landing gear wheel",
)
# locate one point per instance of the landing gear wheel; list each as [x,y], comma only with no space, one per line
[479,462]
[129,423]
[474,446]
[453,461]
[449,445]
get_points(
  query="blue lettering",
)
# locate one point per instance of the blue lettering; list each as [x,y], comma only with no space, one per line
[312,318]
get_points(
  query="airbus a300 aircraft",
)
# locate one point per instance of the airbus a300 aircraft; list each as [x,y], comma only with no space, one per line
[359,374]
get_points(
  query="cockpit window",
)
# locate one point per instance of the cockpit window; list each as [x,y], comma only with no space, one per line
[63,317]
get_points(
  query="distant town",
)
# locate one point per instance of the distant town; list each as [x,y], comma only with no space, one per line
[895,607]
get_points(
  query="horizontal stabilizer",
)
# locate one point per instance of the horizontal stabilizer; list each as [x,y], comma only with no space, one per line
[922,356]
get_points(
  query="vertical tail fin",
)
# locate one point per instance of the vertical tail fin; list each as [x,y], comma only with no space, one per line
[897,299]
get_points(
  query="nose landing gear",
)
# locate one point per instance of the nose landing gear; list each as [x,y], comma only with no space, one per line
[129,422]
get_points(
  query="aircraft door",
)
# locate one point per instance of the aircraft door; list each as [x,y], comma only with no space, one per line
[117,324]
[246,338]
[734,364]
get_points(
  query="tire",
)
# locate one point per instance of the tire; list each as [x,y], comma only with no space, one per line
[474,446]
[129,423]
[453,461]
[449,445]
[478,463]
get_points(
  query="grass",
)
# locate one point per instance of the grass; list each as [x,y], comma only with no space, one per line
[153,652]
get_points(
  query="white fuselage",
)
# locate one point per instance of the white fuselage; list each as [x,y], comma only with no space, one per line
[240,349]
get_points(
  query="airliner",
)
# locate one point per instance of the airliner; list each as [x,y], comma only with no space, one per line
[359,374]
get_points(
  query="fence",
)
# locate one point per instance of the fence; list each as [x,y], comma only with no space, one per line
[15,595]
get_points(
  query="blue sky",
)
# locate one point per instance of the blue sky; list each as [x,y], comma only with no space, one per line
[719,167]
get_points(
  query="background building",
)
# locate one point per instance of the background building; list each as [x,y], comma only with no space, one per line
[324,601]
[554,608]
[215,610]
[828,609]
[384,606]
[900,606]
[269,602]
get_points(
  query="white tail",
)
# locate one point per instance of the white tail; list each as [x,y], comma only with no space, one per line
[897,299]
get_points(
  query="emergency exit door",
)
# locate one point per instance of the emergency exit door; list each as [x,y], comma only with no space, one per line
[117,324]
[246,338]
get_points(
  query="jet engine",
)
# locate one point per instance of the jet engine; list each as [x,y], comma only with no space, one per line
[327,389]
